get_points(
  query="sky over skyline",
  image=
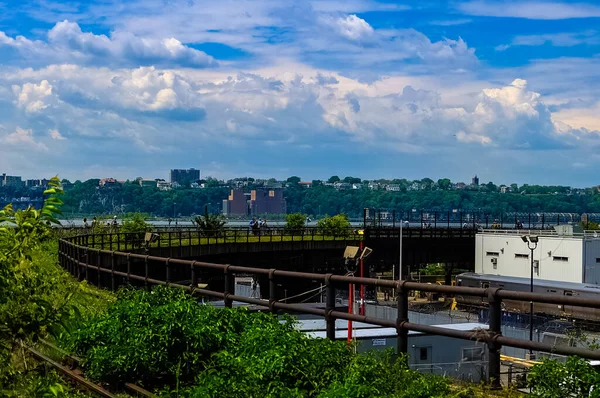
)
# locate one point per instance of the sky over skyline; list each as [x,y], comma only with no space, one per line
[505,89]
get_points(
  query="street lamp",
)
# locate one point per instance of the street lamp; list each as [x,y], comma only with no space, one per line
[532,242]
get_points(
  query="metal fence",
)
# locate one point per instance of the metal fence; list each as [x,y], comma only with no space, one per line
[478,218]
[114,239]
[77,258]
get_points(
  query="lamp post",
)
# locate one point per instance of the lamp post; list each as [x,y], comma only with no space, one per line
[532,242]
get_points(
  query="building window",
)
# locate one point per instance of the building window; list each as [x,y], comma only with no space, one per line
[492,254]
[472,354]
[598,259]
[559,258]
[423,353]
[525,256]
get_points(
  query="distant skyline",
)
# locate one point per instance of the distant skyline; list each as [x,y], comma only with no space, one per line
[505,89]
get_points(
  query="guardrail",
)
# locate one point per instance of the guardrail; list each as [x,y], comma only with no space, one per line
[112,239]
[541,232]
[81,260]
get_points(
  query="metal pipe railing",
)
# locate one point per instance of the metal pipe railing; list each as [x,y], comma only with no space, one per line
[108,263]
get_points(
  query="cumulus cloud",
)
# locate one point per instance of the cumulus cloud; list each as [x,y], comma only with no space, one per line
[66,42]
[31,96]
[24,138]
[151,108]
[353,27]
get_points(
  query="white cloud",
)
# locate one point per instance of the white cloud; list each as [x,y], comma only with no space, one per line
[133,112]
[590,37]
[354,28]
[56,135]
[31,96]
[24,138]
[68,43]
[529,9]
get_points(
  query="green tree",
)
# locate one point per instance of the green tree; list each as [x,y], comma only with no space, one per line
[444,184]
[295,222]
[338,225]
[294,180]
[136,223]
[333,179]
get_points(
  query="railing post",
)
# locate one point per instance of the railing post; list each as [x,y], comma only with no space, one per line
[329,306]
[495,330]
[98,269]
[229,284]
[402,317]
[112,270]
[193,278]
[146,266]
[86,264]
[128,268]
[167,270]
[272,291]
[180,245]
[111,241]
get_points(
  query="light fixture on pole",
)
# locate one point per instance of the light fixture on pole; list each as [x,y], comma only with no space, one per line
[532,242]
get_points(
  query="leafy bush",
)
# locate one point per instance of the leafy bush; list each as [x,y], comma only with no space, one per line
[294,223]
[153,337]
[575,378]
[210,225]
[165,339]
[26,308]
[334,226]
[36,295]
[136,223]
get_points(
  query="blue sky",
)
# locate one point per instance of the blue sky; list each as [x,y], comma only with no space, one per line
[505,89]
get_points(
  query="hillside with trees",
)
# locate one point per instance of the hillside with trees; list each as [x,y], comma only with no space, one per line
[317,198]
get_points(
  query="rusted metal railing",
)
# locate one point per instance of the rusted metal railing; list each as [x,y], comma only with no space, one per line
[78,259]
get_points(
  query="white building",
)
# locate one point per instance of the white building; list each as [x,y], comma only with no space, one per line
[564,254]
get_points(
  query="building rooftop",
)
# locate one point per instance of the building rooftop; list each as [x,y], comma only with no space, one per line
[559,231]
[381,332]
[537,282]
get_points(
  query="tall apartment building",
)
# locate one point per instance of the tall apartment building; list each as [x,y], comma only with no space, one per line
[475,180]
[236,203]
[267,202]
[184,177]
[10,180]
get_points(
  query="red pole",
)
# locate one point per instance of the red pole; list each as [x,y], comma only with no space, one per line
[362,287]
[350,302]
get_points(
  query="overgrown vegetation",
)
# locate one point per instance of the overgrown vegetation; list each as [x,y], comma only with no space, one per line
[165,339]
[295,222]
[135,223]
[338,225]
[36,296]
[575,378]
[211,225]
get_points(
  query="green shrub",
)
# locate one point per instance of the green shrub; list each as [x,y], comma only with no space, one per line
[158,337]
[295,222]
[211,225]
[575,378]
[334,226]
[136,223]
